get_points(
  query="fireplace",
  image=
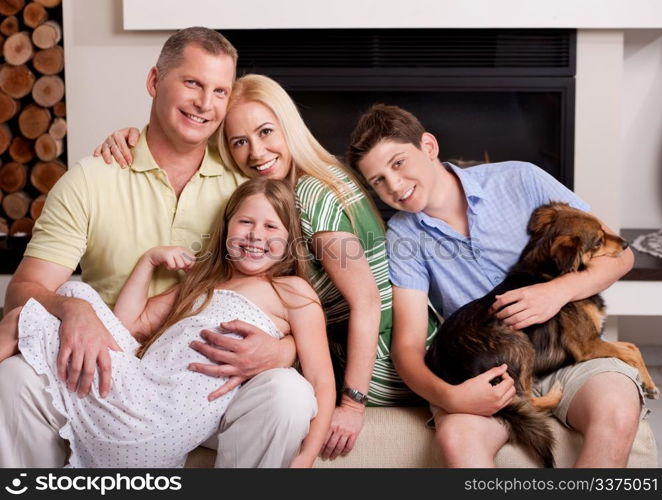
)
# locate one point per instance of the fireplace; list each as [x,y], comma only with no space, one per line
[487,94]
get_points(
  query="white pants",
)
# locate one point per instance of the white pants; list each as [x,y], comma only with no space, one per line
[263,426]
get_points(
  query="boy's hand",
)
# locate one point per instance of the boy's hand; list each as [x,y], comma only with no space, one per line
[479,397]
[172,258]
[529,305]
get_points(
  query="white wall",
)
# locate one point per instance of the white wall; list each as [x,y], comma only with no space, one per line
[258,14]
[105,72]
[641,201]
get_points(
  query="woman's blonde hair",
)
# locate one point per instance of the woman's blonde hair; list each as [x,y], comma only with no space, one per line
[308,156]
[213,266]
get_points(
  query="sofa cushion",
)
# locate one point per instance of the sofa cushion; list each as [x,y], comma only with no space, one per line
[398,438]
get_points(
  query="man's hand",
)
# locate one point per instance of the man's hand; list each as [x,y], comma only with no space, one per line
[530,305]
[238,359]
[479,397]
[346,424]
[84,344]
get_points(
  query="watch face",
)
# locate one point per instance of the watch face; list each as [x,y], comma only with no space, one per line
[357,396]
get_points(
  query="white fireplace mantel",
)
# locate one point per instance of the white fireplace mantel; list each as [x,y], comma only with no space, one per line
[265,14]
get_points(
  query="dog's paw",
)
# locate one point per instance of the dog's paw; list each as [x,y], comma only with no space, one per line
[652,392]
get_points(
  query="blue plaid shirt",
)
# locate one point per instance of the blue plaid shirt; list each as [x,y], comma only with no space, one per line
[426,254]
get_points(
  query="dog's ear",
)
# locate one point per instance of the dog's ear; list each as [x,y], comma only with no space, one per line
[541,219]
[566,251]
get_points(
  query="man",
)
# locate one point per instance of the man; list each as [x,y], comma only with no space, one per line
[105,218]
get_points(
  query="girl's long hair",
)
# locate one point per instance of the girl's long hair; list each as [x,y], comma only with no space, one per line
[308,156]
[214,266]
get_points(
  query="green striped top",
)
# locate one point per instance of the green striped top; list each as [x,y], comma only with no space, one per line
[320,210]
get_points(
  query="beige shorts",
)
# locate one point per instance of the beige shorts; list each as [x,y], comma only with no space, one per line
[572,378]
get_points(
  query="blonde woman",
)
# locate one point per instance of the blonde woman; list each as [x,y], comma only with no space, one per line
[263,135]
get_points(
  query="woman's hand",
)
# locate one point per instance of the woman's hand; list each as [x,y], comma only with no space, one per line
[346,424]
[118,146]
[172,258]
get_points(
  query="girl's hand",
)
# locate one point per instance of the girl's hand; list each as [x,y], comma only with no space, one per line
[172,258]
[479,397]
[118,146]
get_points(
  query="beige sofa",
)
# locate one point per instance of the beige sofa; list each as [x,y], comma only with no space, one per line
[399,438]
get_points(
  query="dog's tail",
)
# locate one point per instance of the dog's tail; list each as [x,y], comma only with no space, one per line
[528,427]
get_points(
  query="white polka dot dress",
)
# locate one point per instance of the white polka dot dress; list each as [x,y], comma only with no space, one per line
[157,410]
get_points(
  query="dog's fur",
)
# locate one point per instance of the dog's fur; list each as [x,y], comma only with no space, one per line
[472,340]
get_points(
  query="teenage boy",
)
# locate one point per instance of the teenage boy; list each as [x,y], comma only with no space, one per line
[105,218]
[456,235]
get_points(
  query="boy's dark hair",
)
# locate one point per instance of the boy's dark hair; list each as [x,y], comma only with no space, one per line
[381,122]
[209,40]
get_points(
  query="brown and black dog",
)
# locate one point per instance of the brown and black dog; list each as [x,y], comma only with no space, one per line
[472,340]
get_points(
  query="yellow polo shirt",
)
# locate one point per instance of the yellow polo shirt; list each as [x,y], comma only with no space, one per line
[105,217]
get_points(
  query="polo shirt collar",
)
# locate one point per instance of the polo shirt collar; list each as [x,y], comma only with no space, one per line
[143,160]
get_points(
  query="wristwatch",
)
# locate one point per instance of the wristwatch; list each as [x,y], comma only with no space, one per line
[355,395]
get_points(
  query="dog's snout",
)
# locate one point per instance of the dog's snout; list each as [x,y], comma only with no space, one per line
[625,244]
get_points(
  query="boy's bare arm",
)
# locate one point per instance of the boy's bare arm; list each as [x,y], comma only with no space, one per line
[476,395]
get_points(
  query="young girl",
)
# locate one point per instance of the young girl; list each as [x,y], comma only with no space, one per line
[263,135]
[158,409]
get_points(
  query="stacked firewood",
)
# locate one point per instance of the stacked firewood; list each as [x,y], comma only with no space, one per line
[32,110]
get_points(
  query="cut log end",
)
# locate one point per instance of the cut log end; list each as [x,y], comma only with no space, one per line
[49,61]
[21,227]
[48,90]
[37,206]
[13,177]
[8,107]
[16,81]
[44,175]
[60,109]
[47,148]
[5,137]
[9,26]
[34,121]
[58,128]
[34,14]
[16,205]
[11,7]
[47,35]
[21,150]
[18,48]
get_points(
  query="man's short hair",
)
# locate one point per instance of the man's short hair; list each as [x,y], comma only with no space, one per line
[381,122]
[209,40]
